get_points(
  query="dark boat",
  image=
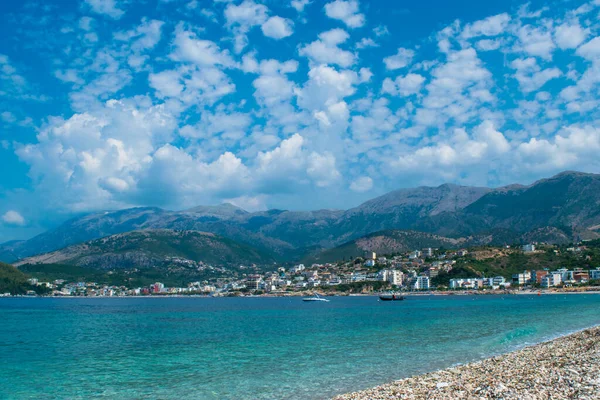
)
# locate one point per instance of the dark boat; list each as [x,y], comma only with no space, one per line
[391,297]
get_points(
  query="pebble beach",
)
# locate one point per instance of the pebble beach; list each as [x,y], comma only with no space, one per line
[564,368]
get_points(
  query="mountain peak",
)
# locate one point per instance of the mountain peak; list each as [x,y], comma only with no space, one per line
[572,173]
[222,210]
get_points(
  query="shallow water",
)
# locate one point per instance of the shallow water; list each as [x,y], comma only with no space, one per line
[260,348]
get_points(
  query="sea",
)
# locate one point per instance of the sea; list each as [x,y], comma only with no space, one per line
[260,348]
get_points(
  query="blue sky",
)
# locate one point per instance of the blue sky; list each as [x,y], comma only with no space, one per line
[107,104]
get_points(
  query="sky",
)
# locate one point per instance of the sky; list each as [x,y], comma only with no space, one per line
[290,104]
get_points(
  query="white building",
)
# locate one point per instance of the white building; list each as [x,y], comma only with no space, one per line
[370,255]
[551,279]
[565,275]
[370,263]
[528,248]
[298,268]
[428,252]
[395,277]
[522,279]
[595,273]
[466,283]
[497,281]
[420,283]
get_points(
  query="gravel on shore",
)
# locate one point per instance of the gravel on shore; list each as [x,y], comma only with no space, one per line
[564,368]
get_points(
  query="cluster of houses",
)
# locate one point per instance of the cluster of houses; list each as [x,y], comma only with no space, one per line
[407,271]
[60,287]
[497,282]
[413,270]
[563,276]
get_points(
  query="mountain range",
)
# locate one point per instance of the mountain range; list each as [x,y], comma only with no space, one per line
[557,209]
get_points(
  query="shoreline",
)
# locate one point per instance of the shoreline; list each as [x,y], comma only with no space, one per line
[564,367]
[303,294]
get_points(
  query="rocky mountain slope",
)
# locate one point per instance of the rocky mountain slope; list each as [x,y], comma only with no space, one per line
[153,248]
[388,242]
[555,209]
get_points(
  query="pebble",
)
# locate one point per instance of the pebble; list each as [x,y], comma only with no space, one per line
[564,368]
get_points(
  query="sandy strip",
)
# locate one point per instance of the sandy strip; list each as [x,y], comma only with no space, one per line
[564,368]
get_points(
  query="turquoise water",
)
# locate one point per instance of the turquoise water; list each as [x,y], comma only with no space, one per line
[259,348]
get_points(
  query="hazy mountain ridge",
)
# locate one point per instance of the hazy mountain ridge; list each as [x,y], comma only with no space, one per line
[394,241]
[569,202]
[151,248]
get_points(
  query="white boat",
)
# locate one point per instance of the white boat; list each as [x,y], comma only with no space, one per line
[315,297]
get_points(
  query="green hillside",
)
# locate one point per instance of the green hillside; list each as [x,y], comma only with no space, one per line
[149,249]
[385,242]
[14,281]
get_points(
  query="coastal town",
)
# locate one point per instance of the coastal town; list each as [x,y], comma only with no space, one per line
[417,271]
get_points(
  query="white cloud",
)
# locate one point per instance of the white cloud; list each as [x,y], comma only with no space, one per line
[570,35]
[241,18]
[346,11]
[488,44]
[576,147]
[106,7]
[401,59]
[201,125]
[491,26]
[362,184]
[536,41]
[365,43]
[277,28]
[143,37]
[381,30]
[246,14]
[530,76]
[326,50]
[199,51]
[458,91]
[404,85]
[291,163]
[299,5]
[166,83]
[321,168]
[365,75]
[461,150]
[8,117]
[326,86]
[13,217]
[590,50]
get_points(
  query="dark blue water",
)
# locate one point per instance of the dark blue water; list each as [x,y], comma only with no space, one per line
[259,348]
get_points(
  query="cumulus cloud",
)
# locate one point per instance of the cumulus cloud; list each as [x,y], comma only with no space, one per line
[399,60]
[277,28]
[570,35]
[366,43]
[326,87]
[188,47]
[164,112]
[460,150]
[491,26]
[362,184]
[345,11]
[536,41]
[12,217]
[106,7]
[403,85]
[572,148]
[241,18]
[590,50]
[291,163]
[299,5]
[325,50]
[530,76]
